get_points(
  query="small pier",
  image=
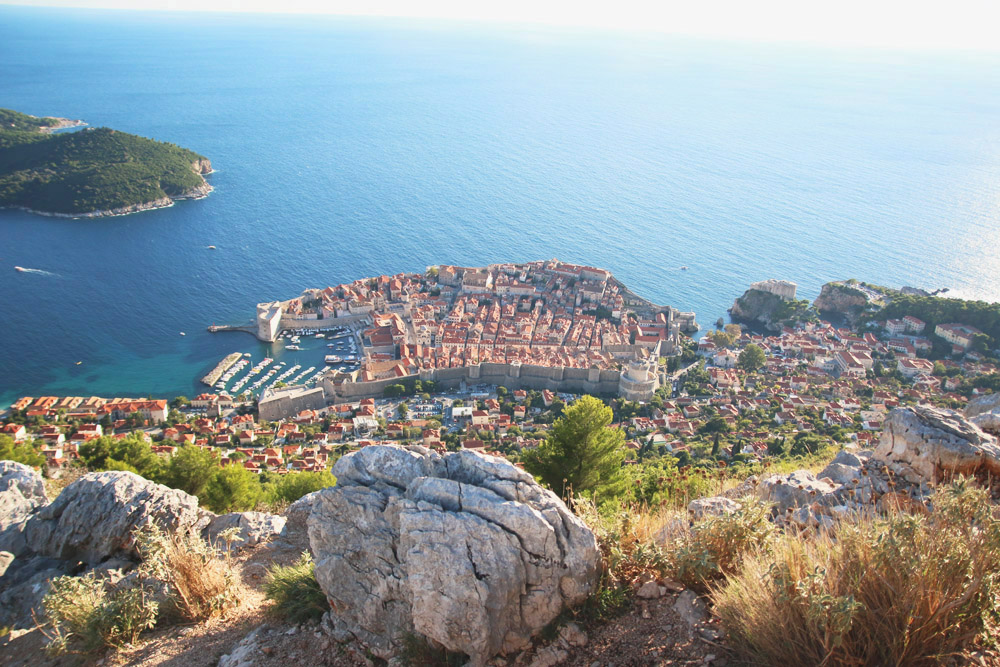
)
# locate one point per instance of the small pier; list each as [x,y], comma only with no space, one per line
[221,368]
[250,328]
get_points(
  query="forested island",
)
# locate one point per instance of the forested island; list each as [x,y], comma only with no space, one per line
[92,172]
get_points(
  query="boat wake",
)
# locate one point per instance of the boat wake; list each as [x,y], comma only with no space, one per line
[39,272]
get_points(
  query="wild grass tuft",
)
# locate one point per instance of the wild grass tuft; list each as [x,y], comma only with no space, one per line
[85,615]
[295,592]
[898,590]
[201,584]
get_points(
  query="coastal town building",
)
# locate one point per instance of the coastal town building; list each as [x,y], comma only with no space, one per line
[545,325]
[782,288]
[278,403]
[957,334]
[269,321]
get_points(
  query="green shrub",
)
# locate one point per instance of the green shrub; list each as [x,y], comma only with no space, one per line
[289,488]
[902,590]
[85,615]
[232,488]
[715,546]
[625,537]
[21,452]
[295,592]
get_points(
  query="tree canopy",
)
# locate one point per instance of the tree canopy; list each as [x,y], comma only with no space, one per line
[21,452]
[582,455]
[752,358]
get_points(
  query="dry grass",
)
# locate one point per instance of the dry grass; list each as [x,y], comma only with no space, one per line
[55,485]
[201,584]
[626,536]
[903,590]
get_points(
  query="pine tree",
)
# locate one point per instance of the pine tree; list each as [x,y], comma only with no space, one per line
[582,455]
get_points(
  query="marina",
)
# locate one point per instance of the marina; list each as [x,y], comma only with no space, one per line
[221,368]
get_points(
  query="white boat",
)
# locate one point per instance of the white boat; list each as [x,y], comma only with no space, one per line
[332,359]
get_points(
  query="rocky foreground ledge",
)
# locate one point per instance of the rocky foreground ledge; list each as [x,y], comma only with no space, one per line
[464,549]
[920,448]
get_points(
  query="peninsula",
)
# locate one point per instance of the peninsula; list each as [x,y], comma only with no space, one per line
[92,172]
[544,325]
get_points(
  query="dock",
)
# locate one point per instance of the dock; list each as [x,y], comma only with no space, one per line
[221,368]
[250,328]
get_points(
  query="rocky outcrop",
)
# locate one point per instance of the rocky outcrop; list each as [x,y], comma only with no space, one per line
[23,586]
[93,518]
[296,530]
[26,479]
[22,491]
[202,166]
[984,412]
[838,297]
[712,506]
[929,445]
[796,489]
[757,307]
[464,549]
[253,528]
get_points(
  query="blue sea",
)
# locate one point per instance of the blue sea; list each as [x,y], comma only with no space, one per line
[352,147]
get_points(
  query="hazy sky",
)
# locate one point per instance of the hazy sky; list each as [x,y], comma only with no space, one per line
[921,24]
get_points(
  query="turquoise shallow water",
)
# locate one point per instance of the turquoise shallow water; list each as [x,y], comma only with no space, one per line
[352,147]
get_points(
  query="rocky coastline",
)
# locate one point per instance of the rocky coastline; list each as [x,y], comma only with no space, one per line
[61,124]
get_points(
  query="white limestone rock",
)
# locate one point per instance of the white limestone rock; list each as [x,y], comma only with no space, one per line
[25,478]
[93,518]
[712,506]
[839,473]
[464,549]
[983,405]
[796,489]
[254,528]
[22,492]
[984,412]
[927,445]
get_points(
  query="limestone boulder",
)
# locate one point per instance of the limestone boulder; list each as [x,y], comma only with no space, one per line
[25,478]
[93,518]
[22,492]
[838,473]
[927,445]
[983,405]
[713,506]
[984,412]
[297,517]
[852,459]
[253,528]
[463,548]
[24,584]
[796,489]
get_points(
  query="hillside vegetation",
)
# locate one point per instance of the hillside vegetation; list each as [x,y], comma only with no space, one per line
[93,170]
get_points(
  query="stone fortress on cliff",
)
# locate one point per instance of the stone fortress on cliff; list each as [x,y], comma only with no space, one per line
[543,325]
